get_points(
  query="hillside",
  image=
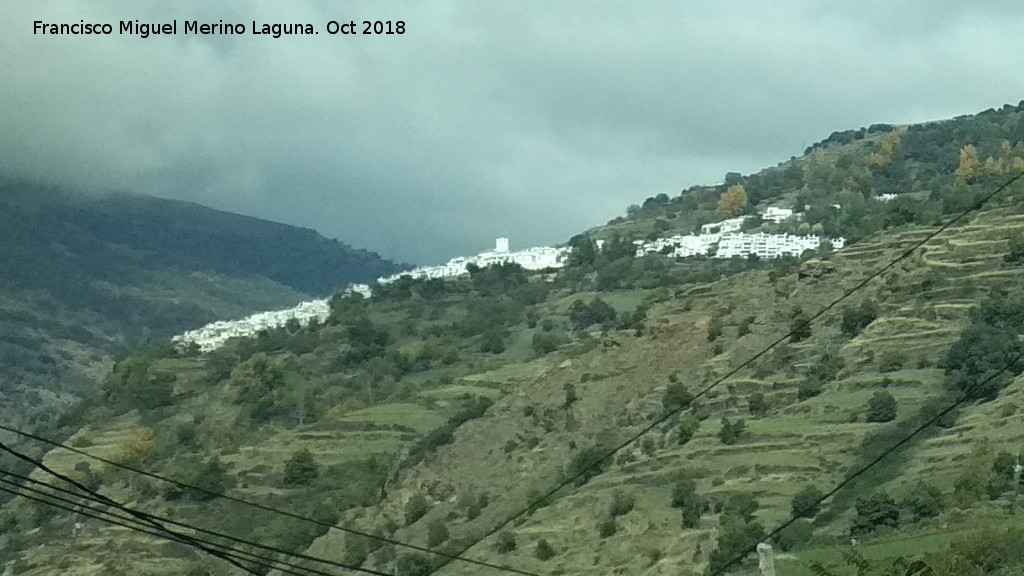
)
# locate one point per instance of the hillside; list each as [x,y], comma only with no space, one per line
[434,411]
[85,277]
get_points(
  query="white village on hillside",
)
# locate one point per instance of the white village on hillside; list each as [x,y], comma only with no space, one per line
[718,240]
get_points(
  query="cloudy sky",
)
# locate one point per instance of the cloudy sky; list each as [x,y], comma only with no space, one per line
[527,119]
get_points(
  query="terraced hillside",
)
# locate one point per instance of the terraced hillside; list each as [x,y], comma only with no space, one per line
[793,444]
[386,464]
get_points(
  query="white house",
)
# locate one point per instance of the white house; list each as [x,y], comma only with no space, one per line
[776,214]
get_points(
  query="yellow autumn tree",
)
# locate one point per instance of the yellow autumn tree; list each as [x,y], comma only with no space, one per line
[968,163]
[884,151]
[734,202]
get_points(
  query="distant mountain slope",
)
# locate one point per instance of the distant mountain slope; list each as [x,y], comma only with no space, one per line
[82,276]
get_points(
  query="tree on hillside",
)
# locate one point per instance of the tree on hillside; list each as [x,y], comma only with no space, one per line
[881,407]
[688,426]
[492,343]
[212,478]
[1016,250]
[877,510]
[923,501]
[544,551]
[714,328]
[691,504]
[415,508]
[676,396]
[968,163]
[582,314]
[583,251]
[301,469]
[741,505]
[570,395]
[1001,477]
[757,404]
[799,326]
[733,202]
[505,542]
[731,431]
[988,345]
[735,536]
[437,533]
[856,318]
[805,503]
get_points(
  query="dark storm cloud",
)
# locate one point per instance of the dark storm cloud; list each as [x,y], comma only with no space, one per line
[517,118]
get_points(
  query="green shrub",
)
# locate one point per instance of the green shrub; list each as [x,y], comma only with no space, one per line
[923,501]
[688,427]
[795,535]
[544,551]
[757,405]
[415,509]
[881,407]
[606,527]
[691,504]
[799,326]
[622,504]
[734,538]
[856,318]
[714,328]
[492,343]
[731,432]
[805,503]
[873,512]
[808,389]
[301,469]
[676,397]
[741,506]
[505,543]
[437,533]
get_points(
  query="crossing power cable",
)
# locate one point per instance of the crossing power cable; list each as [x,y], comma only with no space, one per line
[966,395]
[186,526]
[263,507]
[111,502]
[672,412]
[130,523]
[157,522]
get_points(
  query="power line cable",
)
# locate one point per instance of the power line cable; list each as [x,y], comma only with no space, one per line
[157,521]
[111,502]
[672,412]
[197,528]
[265,508]
[130,523]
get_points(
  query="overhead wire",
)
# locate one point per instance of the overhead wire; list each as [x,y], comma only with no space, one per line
[111,502]
[158,522]
[265,508]
[130,523]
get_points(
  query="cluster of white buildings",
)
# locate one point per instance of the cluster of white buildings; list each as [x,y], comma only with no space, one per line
[724,240]
[212,336]
[538,258]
